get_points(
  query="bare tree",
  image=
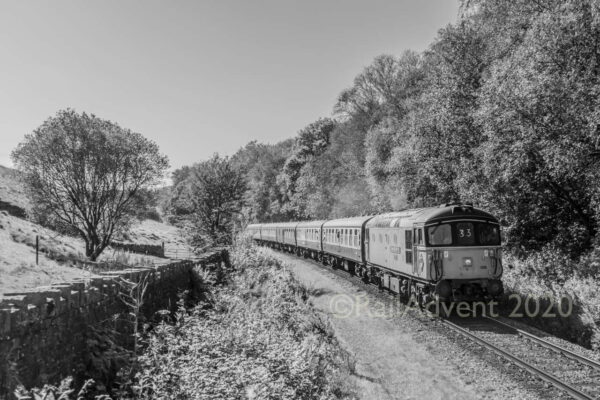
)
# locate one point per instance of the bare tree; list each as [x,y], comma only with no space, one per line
[83,174]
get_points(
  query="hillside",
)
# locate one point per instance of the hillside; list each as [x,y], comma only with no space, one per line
[61,258]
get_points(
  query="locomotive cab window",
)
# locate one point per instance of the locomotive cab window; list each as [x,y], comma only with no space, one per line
[488,234]
[439,235]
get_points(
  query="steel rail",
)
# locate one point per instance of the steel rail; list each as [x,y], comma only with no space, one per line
[514,359]
[547,344]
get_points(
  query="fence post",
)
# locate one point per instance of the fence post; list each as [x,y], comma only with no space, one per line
[37,249]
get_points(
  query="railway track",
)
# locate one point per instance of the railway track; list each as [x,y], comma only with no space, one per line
[571,373]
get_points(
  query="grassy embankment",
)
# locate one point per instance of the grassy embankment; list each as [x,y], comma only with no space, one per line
[258,337]
[61,258]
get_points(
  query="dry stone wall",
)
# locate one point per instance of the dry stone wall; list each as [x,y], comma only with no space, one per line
[44,332]
[149,249]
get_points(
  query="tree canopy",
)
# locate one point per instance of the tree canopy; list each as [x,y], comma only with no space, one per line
[502,109]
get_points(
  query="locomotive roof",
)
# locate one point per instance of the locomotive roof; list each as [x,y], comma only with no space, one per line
[428,215]
[354,222]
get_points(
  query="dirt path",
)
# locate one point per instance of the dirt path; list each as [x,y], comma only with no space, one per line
[390,364]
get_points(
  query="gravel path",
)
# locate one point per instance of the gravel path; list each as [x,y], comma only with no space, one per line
[401,353]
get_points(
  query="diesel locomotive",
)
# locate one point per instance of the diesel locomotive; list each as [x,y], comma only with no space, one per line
[448,253]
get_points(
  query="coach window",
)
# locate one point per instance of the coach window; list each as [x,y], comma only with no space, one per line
[420,236]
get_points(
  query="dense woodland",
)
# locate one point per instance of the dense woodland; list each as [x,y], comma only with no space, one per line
[502,110]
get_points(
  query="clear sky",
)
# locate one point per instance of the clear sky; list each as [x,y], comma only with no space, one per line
[197,77]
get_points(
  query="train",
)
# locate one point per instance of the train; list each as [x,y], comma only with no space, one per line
[448,253]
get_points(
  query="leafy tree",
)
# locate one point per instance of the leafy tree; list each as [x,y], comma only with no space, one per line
[217,190]
[310,142]
[261,164]
[84,174]
[542,123]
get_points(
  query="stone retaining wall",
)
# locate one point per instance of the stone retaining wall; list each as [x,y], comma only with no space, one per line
[45,332]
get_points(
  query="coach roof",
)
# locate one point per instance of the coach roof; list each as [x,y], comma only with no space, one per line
[310,224]
[347,222]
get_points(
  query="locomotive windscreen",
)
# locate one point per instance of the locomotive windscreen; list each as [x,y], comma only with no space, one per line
[465,233]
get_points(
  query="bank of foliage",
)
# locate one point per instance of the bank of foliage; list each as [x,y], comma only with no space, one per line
[501,109]
[257,338]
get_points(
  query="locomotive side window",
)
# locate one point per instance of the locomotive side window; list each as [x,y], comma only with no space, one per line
[465,233]
[439,235]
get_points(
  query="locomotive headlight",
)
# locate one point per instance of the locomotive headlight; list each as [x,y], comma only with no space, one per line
[468,262]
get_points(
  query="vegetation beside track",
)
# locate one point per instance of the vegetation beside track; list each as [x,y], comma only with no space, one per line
[549,280]
[258,337]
